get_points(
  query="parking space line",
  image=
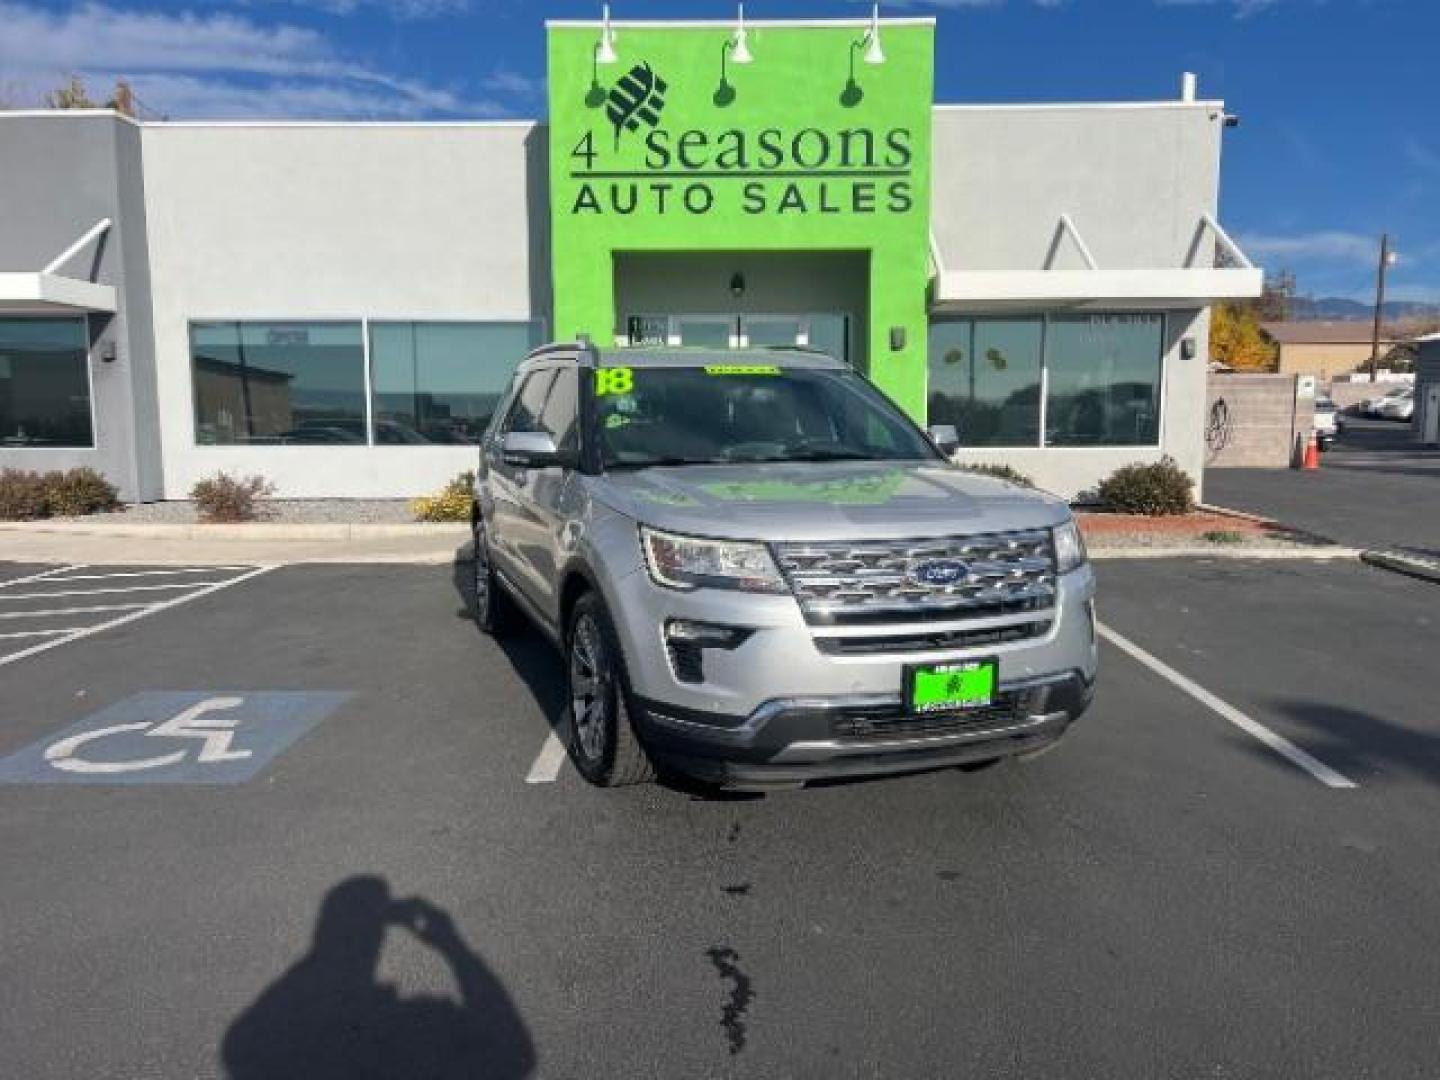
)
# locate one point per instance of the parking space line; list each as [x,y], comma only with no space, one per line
[548,763]
[137,573]
[40,576]
[37,633]
[131,616]
[1281,745]
[100,592]
[70,610]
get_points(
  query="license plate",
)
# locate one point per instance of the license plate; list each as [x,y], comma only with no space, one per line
[966,684]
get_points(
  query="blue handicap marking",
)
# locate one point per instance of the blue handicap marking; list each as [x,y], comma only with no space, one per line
[174,737]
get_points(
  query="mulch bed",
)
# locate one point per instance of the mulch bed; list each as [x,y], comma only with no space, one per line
[1096,523]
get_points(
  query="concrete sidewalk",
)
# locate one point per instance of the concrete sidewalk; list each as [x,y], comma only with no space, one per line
[99,540]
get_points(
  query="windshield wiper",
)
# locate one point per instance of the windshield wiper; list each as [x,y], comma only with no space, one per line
[662,462]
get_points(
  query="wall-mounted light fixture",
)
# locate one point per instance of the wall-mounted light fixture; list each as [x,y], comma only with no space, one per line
[874,54]
[605,47]
[736,50]
[737,285]
[108,351]
[853,93]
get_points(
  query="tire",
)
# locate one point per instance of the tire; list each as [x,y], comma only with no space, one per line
[602,741]
[492,607]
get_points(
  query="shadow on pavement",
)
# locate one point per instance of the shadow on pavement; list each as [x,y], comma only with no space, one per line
[1359,744]
[530,654]
[328,1017]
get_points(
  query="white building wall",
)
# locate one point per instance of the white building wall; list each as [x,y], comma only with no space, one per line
[1135,179]
[317,221]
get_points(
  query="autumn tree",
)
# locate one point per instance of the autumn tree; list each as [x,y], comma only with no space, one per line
[1237,341]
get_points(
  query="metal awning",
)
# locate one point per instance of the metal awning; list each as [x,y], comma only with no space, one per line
[49,291]
[1093,287]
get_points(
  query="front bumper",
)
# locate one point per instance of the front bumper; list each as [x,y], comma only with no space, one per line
[797,701]
[792,741]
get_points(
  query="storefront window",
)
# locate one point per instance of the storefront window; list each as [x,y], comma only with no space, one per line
[278,383]
[1104,380]
[1101,373]
[440,382]
[44,383]
[985,379]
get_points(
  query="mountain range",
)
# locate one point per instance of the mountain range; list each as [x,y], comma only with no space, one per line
[1307,308]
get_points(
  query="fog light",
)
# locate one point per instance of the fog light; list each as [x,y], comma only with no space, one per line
[705,635]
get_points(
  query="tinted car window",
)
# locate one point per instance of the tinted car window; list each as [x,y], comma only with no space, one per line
[559,417]
[530,403]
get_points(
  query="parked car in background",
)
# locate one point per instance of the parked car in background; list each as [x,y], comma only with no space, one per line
[1326,422]
[1399,406]
[1375,407]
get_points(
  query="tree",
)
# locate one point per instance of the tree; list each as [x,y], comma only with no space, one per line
[74,95]
[1237,341]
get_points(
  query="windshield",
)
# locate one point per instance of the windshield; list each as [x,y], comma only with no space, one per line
[726,413]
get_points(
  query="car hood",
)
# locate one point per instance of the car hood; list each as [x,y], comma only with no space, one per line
[824,500]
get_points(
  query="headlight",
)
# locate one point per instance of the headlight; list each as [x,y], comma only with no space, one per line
[1069,547]
[689,562]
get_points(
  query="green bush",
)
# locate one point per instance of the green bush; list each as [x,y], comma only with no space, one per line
[453,502]
[1000,472]
[22,496]
[225,498]
[79,491]
[1156,490]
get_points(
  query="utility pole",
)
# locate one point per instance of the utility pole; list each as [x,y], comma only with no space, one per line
[1387,257]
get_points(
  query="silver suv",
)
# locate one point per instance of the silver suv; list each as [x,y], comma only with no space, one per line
[760,572]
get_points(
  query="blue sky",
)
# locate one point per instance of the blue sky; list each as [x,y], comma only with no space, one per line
[1339,99]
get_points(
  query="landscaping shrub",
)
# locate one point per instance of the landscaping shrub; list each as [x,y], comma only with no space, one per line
[1156,490]
[22,496]
[226,498]
[1001,472]
[79,491]
[453,502]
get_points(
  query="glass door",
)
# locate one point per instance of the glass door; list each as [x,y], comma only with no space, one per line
[704,331]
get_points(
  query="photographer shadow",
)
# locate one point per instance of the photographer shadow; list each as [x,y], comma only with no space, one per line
[329,1016]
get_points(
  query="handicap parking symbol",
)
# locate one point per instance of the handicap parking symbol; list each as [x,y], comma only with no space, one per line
[173,737]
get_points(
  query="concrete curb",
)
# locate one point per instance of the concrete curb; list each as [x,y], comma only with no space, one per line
[260,531]
[1319,553]
[1402,562]
[1240,515]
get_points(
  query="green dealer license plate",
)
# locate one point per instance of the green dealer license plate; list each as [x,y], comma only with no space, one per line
[968,684]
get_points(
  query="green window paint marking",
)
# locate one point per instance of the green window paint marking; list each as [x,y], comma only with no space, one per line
[618,380]
[741,369]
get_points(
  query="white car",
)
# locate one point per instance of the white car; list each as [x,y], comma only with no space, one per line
[1375,406]
[1399,406]
[1326,427]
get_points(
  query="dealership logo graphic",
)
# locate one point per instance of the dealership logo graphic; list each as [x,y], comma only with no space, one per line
[637,97]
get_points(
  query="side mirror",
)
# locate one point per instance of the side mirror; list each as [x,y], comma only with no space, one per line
[945,437]
[529,450]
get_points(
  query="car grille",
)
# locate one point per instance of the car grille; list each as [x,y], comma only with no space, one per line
[931,641]
[872,581]
[881,724]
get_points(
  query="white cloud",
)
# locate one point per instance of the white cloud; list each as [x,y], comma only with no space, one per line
[400,9]
[1329,246]
[205,65]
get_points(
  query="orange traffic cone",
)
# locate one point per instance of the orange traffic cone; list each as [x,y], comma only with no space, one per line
[1312,453]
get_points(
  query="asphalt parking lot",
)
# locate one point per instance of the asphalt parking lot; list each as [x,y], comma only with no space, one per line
[345,872]
[1375,488]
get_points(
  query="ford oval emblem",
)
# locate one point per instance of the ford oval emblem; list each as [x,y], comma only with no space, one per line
[938,573]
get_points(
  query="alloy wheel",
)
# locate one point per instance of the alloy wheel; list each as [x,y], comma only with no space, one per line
[589,688]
